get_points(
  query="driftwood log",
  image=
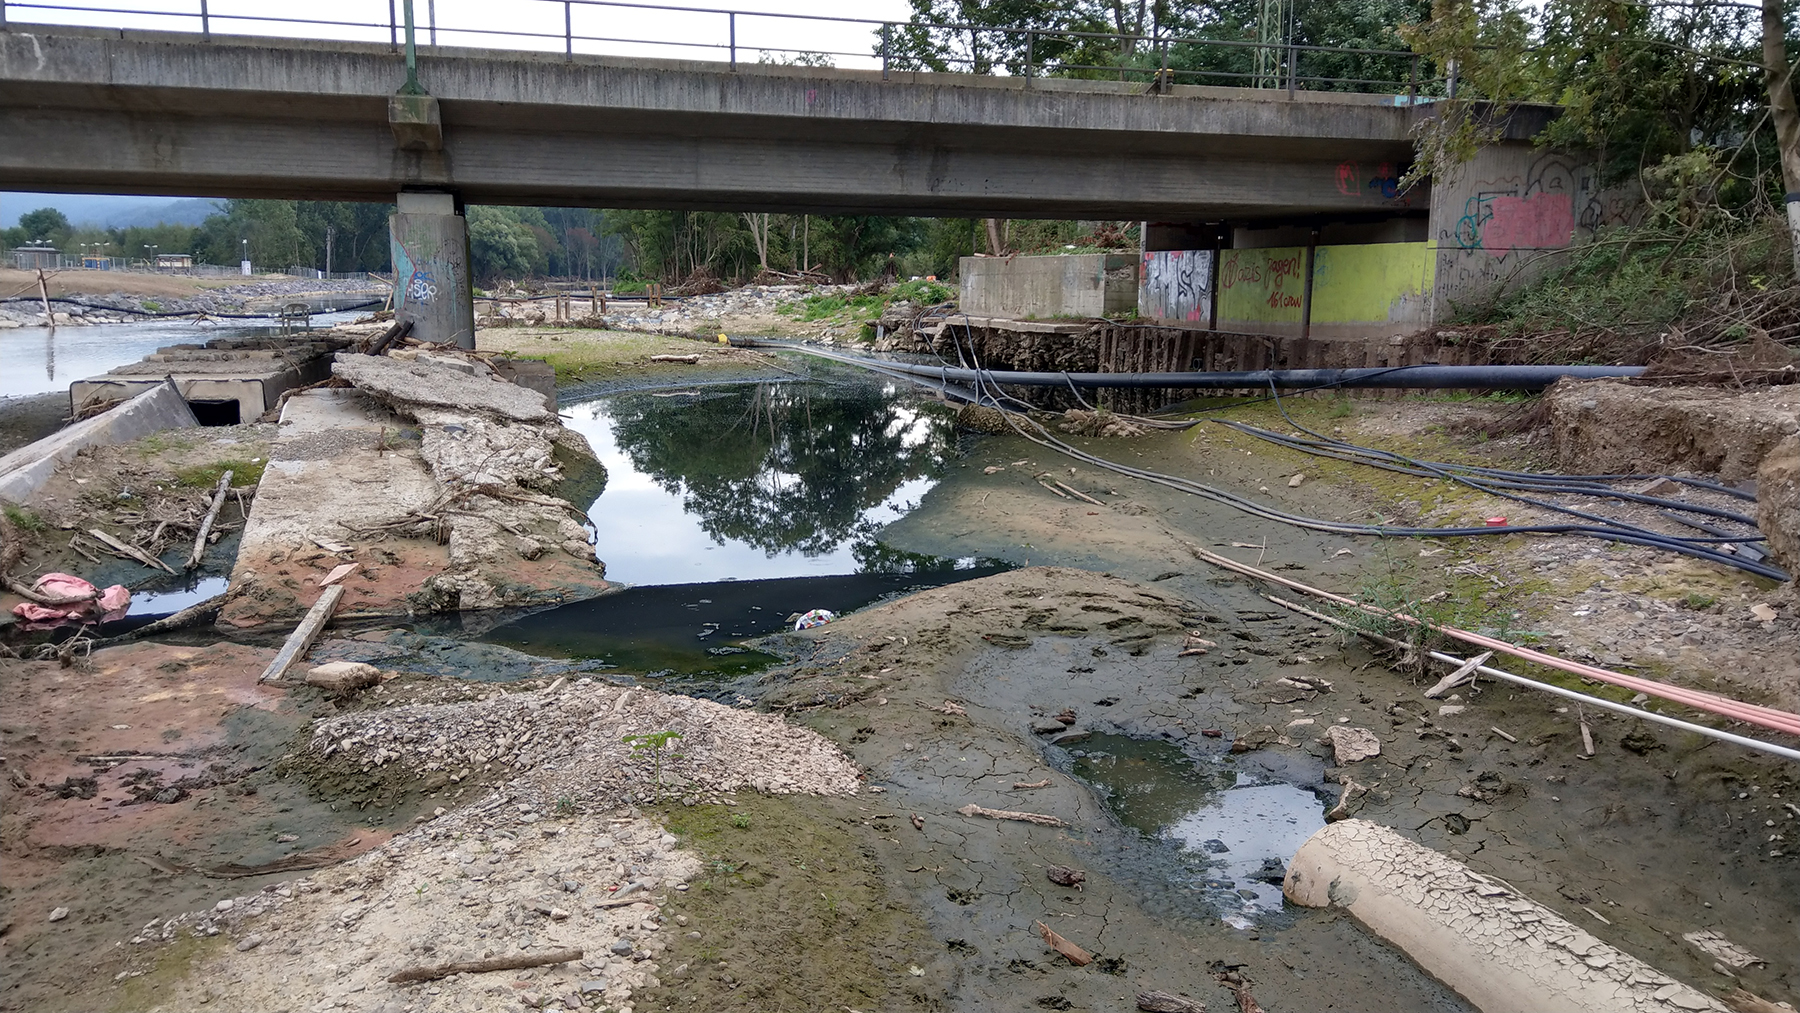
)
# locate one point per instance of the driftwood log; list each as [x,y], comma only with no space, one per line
[478,966]
[1007,814]
[212,514]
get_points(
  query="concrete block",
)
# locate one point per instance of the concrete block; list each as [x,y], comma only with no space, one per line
[1079,285]
[343,676]
[532,374]
[25,470]
[422,382]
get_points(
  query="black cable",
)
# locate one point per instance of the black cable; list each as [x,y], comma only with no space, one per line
[1485,486]
[1430,469]
[1384,531]
[1650,540]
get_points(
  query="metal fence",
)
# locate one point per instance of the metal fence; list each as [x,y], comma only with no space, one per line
[74,262]
[614,27]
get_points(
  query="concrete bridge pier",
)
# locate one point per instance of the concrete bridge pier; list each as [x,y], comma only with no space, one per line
[431,268]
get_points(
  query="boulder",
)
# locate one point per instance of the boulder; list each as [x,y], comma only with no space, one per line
[343,676]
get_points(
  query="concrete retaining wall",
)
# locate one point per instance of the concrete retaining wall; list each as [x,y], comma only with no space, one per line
[25,470]
[1042,288]
[1499,219]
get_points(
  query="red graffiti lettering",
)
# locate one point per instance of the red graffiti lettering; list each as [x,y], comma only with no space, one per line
[1348,179]
[1283,300]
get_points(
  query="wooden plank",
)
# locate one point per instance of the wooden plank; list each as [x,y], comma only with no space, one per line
[212,514]
[304,634]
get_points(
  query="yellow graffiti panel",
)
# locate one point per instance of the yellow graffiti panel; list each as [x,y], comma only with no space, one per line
[1372,283]
[1262,286]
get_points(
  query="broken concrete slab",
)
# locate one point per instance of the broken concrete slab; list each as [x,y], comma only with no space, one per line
[234,379]
[433,384]
[342,471]
[442,480]
[160,407]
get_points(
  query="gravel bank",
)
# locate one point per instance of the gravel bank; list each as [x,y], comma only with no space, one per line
[567,745]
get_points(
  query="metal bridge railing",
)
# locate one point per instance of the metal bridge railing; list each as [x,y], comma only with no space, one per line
[620,28]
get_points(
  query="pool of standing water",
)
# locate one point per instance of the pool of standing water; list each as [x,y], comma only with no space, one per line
[730,509]
[1233,829]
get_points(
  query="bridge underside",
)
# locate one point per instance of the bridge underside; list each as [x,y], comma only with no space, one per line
[85,110]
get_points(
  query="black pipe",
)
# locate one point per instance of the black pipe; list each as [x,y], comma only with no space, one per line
[1423,377]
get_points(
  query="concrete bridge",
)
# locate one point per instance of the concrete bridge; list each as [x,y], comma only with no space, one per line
[105,110]
[169,113]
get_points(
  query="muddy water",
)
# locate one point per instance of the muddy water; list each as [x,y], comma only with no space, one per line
[1232,829]
[695,629]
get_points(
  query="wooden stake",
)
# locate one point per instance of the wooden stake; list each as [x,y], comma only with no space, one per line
[1587,737]
[1496,730]
[478,966]
[302,638]
[44,290]
[212,514]
[1078,494]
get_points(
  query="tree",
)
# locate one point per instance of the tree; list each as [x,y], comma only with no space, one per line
[269,230]
[1778,74]
[46,225]
[759,234]
[500,245]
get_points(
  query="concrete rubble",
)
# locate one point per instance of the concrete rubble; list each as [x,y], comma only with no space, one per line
[445,481]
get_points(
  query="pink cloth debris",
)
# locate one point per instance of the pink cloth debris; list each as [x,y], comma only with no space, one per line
[110,603]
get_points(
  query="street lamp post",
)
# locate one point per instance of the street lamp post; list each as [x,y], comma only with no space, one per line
[244,264]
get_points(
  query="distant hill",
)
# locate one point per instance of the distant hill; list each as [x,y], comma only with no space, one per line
[108,211]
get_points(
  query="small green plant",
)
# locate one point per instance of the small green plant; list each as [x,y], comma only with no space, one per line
[657,746]
[565,806]
[23,519]
[153,306]
[205,476]
[1340,408]
[741,821]
[1698,602]
[921,292]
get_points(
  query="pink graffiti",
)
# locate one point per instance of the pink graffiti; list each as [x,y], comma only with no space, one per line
[1542,221]
[1347,181]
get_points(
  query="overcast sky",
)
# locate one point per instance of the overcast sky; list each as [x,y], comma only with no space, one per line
[623,29]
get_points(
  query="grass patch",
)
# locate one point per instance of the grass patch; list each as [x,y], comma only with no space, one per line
[169,439]
[1466,601]
[794,907]
[839,308]
[205,476]
[173,962]
[578,355]
[23,519]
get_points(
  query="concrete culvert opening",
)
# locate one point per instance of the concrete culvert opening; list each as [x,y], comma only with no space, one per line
[227,412]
